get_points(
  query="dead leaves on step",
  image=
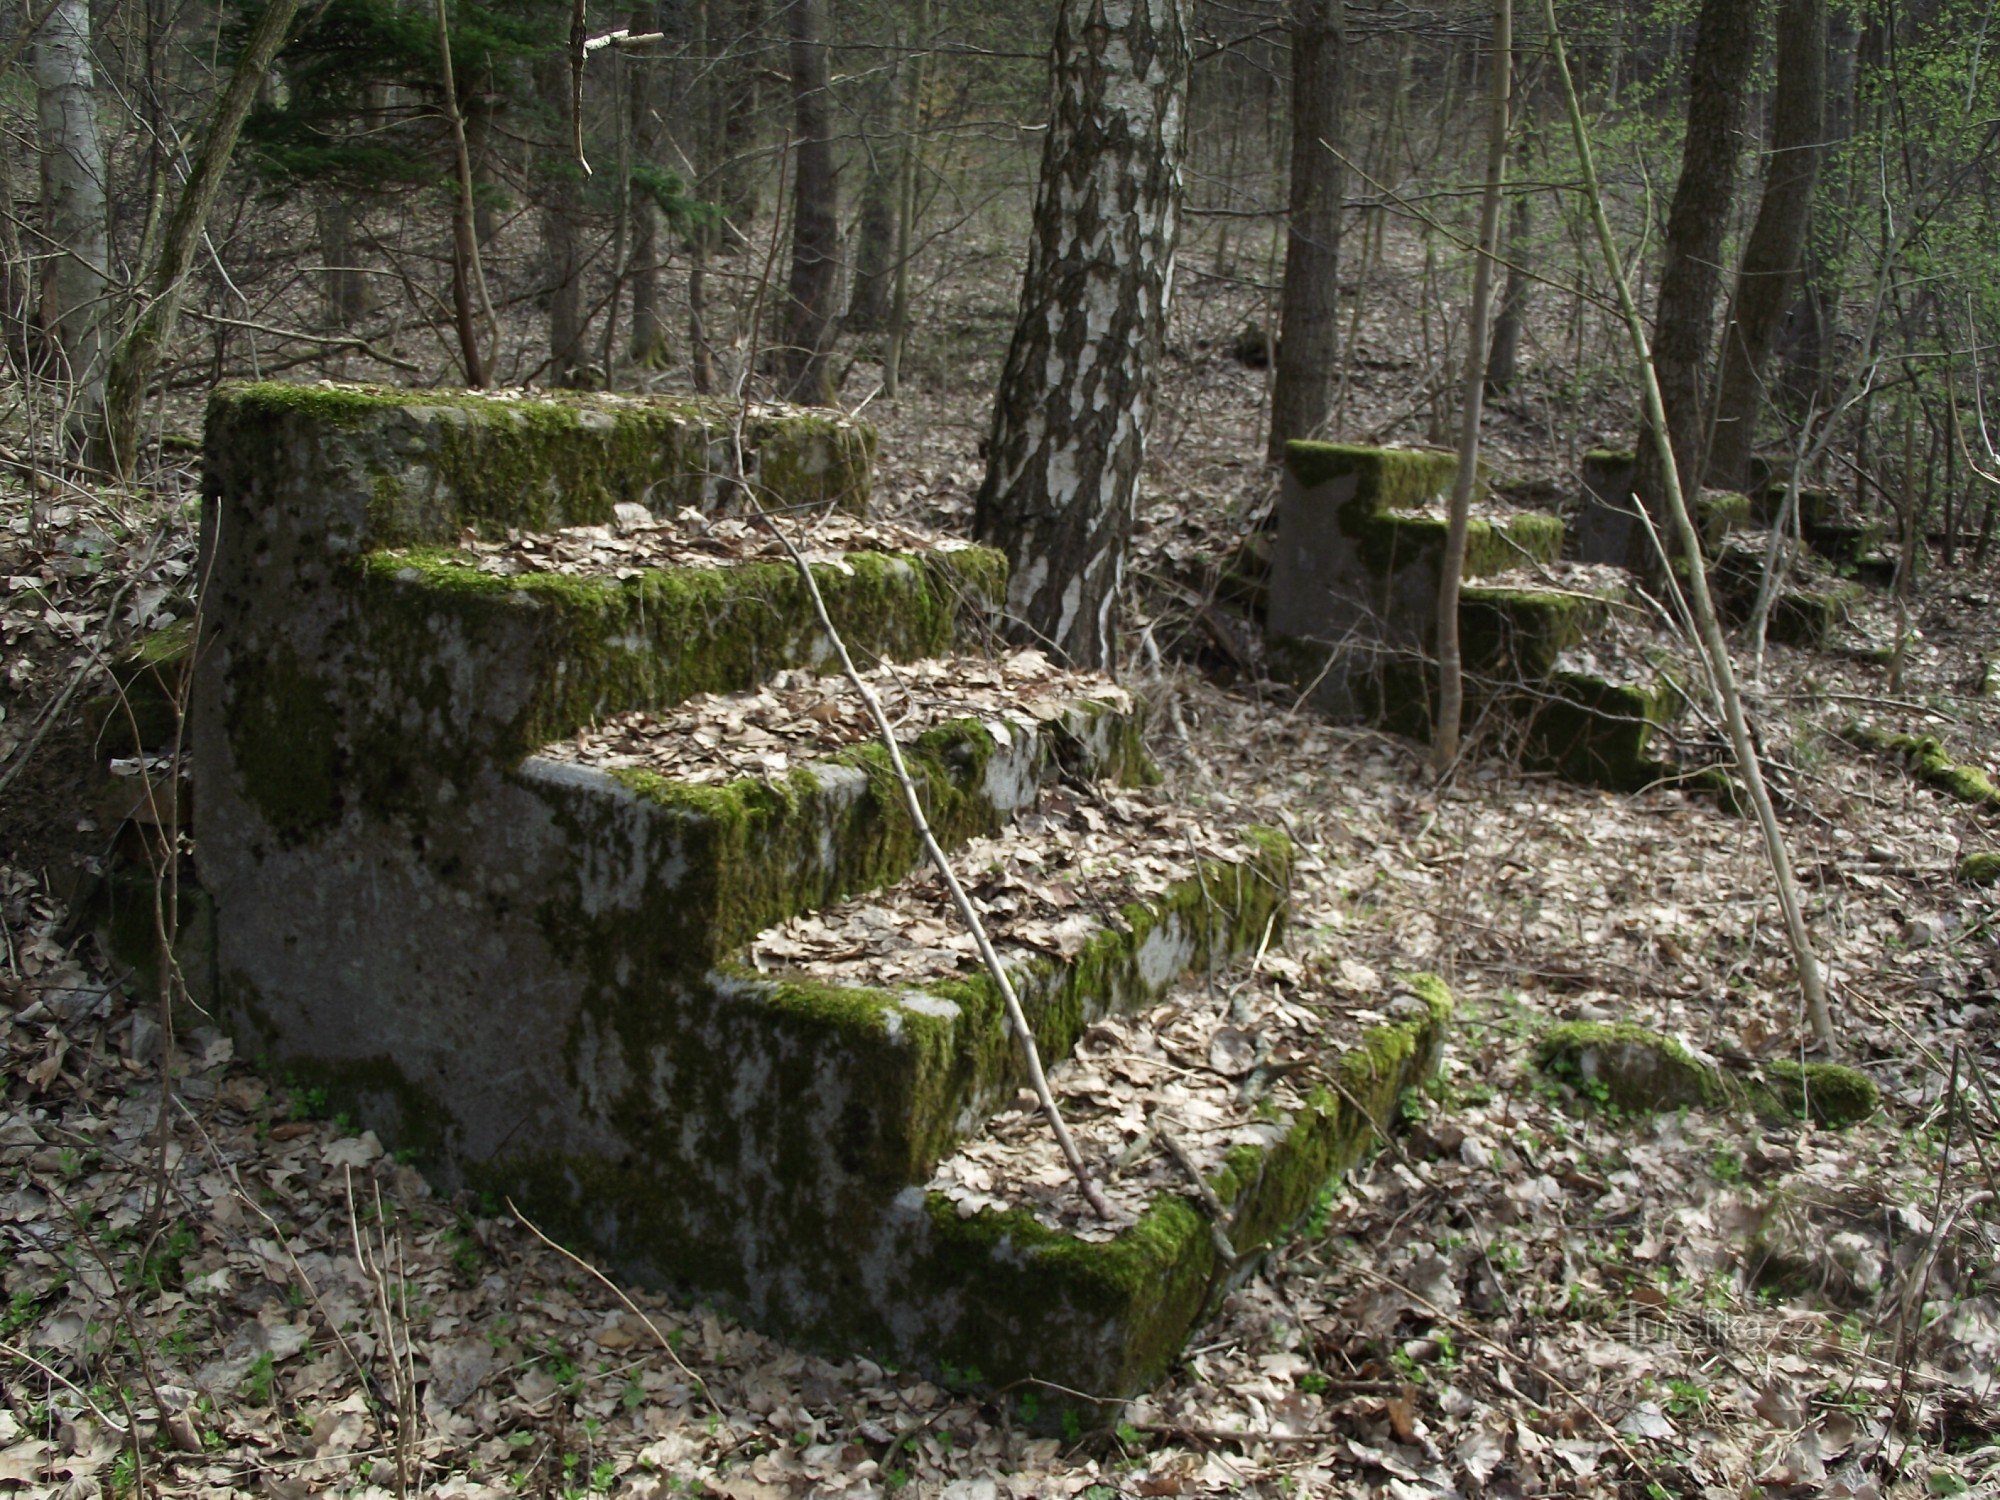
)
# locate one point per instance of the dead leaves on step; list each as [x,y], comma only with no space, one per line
[1056,877]
[799,716]
[638,539]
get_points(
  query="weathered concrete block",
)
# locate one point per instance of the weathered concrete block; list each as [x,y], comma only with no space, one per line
[1357,564]
[526,968]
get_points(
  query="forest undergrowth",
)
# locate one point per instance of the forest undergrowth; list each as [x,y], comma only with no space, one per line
[1526,1292]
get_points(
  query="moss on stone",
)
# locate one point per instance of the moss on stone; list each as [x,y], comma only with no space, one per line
[1927,760]
[1719,512]
[1625,1065]
[442,461]
[1598,733]
[284,731]
[598,645]
[1640,1071]
[149,684]
[1516,634]
[1982,868]
[1385,478]
[1155,1281]
[1829,1093]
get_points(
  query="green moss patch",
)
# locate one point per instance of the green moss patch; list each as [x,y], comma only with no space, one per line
[433,463]
[594,646]
[718,864]
[1108,1317]
[1384,478]
[1627,1067]
[1925,756]
[1982,868]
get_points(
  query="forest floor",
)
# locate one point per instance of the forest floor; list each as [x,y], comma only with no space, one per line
[1525,1294]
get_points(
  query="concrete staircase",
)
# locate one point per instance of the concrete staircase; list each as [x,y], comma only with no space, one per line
[1557,657]
[544,969]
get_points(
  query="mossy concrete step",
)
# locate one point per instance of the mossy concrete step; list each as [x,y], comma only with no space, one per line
[1011,1299]
[1802,613]
[1359,559]
[1513,642]
[1610,525]
[711,865]
[757,1138]
[1925,755]
[498,666]
[392,468]
[1627,1067]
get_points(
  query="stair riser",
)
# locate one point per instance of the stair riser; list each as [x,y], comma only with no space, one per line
[712,866]
[400,469]
[995,1298]
[734,1136]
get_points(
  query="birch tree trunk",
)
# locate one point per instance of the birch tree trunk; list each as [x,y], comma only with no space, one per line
[1771,260]
[814,290]
[1075,398]
[1309,317]
[71,310]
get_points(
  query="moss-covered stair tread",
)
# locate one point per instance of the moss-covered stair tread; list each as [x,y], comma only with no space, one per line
[710,865]
[1113,1301]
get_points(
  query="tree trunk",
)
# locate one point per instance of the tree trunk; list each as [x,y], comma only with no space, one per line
[1075,398]
[468,277]
[907,162]
[1503,355]
[875,254]
[1309,314]
[815,281]
[1777,240]
[1451,677]
[348,296]
[649,329]
[562,239]
[73,206]
[140,351]
[734,105]
[1725,44]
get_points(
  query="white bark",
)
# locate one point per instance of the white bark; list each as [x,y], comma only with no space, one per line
[74,224]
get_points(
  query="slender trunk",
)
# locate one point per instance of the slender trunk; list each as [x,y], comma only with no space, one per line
[1725,45]
[349,298]
[1075,398]
[649,330]
[1777,241]
[701,354]
[810,311]
[467,279]
[907,165]
[562,249]
[735,106]
[140,351]
[71,312]
[1503,354]
[1715,648]
[1451,676]
[1309,319]
[875,248]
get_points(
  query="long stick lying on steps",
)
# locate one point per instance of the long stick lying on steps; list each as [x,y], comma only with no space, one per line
[1030,1053]
[1791,902]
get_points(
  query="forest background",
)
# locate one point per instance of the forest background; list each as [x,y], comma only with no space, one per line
[831,201]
